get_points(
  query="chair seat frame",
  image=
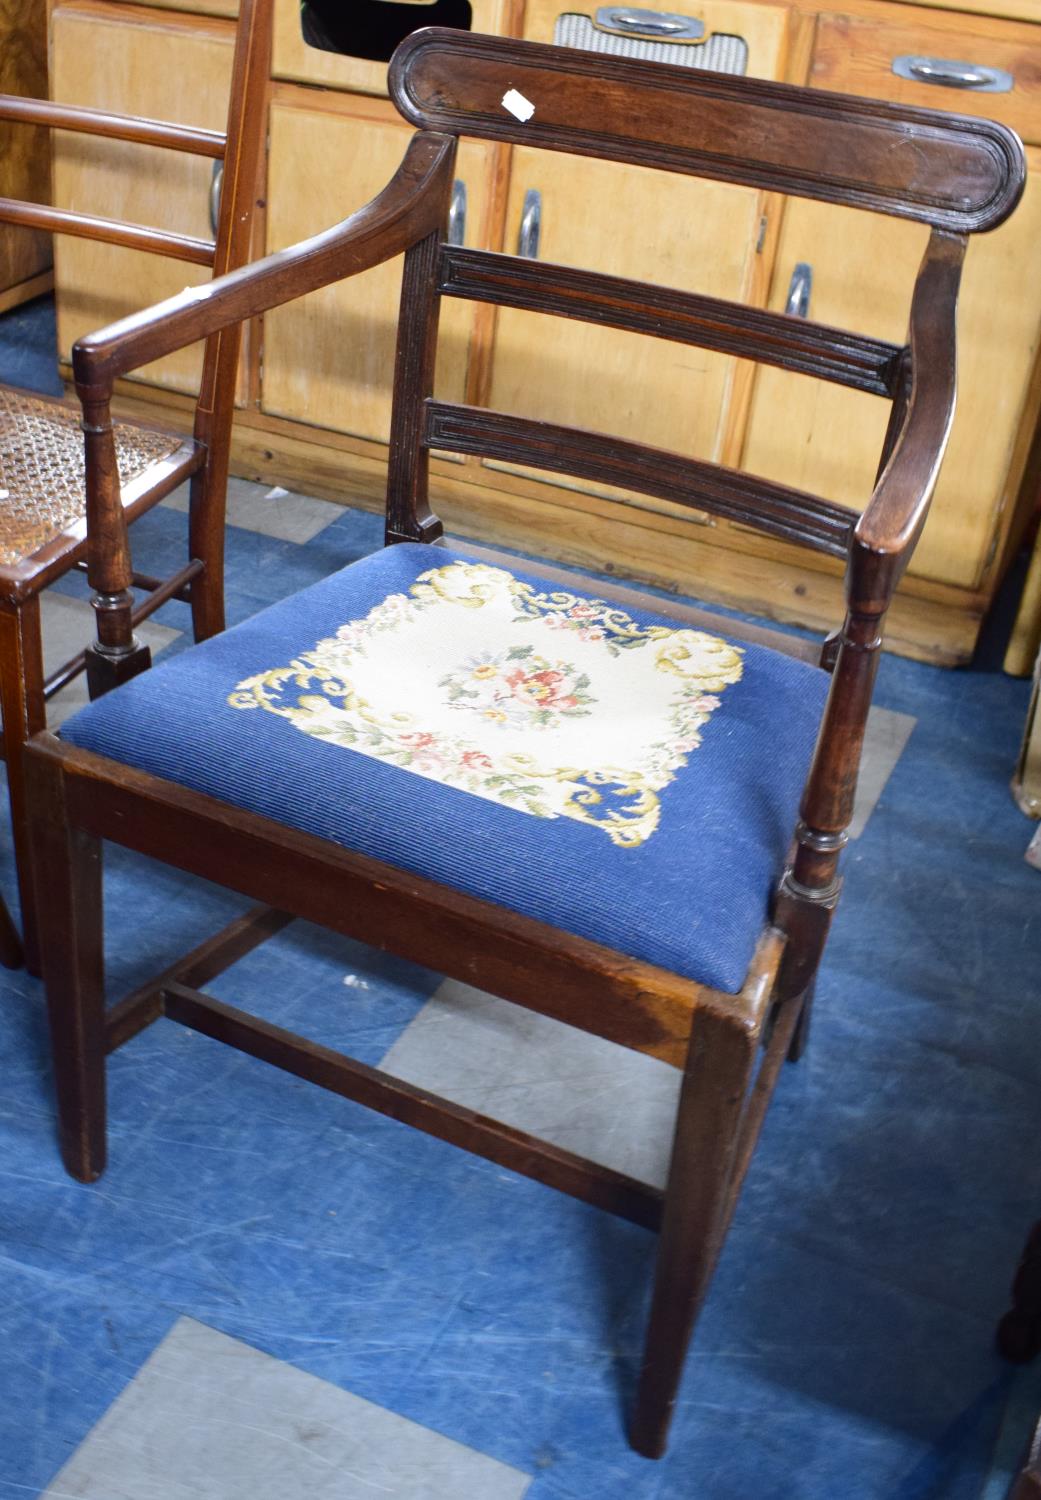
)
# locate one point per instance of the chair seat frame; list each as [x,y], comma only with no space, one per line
[958,176]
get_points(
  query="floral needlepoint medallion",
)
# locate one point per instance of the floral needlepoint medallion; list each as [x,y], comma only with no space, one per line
[553,704]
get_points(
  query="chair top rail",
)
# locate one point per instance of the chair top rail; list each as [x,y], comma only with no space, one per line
[86,121]
[954,172]
[850,359]
[108,231]
[774,508]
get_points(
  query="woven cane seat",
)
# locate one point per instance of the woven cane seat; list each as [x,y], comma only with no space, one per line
[42,489]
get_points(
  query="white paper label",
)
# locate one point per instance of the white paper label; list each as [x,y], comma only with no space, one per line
[517,105]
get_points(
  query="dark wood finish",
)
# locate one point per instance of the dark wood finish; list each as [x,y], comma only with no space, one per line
[600,1186]
[85,121]
[955,174]
[864,364]
[116,654]
[111,231]
[1027,1485]
[144,1005]
[1019,1332]
[690,482]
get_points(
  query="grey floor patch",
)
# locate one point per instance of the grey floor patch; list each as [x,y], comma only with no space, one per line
[67,625]
[887,735]
[272,511]
[552,1081]
[210,1418]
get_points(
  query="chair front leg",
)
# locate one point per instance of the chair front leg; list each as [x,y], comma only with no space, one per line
[206,542]
[67,870]
[698,1203]
[24,712]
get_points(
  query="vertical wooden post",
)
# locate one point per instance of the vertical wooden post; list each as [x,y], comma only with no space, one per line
[409,517]
[698,1200]
[66,866]
[116,654]
[215,409]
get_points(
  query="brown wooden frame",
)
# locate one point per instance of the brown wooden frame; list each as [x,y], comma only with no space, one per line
[203,458]
[955,174]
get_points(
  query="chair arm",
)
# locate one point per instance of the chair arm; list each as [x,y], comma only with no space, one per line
[888,530]
[409,208]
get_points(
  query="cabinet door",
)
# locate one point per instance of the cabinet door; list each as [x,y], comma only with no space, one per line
[827,440]
[651,226]
[174,68]
[329,358]
[25,155]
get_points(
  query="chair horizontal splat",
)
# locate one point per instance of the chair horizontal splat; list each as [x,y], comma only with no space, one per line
[108,231]
[689,482]
[116,127]
[863,363]
[952,171]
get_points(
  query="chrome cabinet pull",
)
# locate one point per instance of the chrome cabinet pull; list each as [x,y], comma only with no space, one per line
[216,183]
[799,289]
[457,214]
[944,72]
[631,19]
[530,225]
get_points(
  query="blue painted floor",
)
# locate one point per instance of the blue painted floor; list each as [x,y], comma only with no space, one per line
[846,1348]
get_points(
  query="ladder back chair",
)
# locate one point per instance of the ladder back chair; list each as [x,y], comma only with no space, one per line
[43,501]
[599,806]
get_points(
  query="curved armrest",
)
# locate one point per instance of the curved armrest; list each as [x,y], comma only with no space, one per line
[411,206]
[886,534]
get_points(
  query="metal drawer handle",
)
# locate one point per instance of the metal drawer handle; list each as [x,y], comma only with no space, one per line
[944,72]
[457,214]
[530,225]
[216,183]
[649,22]
[799,289]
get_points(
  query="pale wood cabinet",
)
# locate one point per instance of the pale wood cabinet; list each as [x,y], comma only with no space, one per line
[134,62]
[329,359]
[25,255]
[318,382]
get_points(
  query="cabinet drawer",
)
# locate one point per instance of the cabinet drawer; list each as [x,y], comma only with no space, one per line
[761,27]
[295,59]
[855,56]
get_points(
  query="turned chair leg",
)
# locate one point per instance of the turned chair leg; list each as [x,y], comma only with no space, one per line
[696,1211]
[24,711]
[67,868]
[1019,1332]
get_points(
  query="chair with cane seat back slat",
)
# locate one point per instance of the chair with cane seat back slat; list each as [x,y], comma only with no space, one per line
[605,808]
[43,502]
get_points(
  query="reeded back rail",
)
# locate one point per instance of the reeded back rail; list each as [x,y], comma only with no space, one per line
[673,892]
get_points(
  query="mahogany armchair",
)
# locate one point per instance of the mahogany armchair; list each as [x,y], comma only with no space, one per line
[601,807]
[42,492]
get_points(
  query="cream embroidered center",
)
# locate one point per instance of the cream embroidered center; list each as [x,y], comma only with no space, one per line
[553,704]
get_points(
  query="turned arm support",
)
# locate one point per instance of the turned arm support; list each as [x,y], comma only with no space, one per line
[881,546]
[412,206]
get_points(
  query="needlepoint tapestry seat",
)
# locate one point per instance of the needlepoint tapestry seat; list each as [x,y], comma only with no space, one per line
[606,771]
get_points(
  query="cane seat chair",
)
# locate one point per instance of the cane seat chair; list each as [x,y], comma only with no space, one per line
[604,808]
[43,500]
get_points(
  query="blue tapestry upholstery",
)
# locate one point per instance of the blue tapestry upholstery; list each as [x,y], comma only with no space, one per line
[612,773]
